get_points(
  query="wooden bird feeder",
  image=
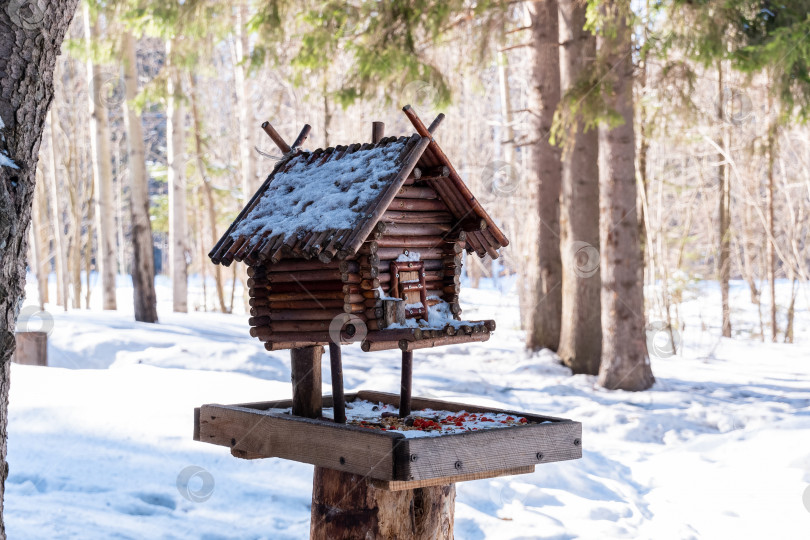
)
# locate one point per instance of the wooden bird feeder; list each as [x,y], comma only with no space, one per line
[363,243]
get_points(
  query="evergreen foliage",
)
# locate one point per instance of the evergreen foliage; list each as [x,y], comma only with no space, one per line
[389,42]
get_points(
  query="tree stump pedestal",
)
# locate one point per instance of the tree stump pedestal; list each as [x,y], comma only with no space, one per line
[347,506]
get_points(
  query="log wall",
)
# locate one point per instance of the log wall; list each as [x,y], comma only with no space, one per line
[419,221]
[301,302]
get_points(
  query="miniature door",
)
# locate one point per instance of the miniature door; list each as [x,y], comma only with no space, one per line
[408,283]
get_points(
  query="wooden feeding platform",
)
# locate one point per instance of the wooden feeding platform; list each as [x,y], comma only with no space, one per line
[364,243]
[392,460]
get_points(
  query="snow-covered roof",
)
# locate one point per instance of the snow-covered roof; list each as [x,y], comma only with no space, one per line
[326,202]
[316,193]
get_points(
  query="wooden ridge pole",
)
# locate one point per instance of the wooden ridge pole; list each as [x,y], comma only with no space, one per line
[436,122]
[377,132]
[276,138]
[302,136]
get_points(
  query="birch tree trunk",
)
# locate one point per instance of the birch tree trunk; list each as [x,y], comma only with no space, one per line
[208,193]
[543,330]
[624,363]
[40,261]
[723,208]
[26,91]
[102,170]
[175,153]
[580,331]
[73,183]
[59,236]
[242,51]
[770,238]
[143,259]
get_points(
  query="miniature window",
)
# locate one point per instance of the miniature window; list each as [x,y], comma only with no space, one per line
[408,283]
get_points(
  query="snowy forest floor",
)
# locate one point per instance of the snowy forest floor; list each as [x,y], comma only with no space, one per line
[719,448]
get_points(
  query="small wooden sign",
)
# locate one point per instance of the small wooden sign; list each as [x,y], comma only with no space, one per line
[31,348]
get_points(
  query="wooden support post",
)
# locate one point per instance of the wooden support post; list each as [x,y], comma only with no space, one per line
[339,403]
[306,381]
[31,348]
[347,506]
[377,132]
[407,378]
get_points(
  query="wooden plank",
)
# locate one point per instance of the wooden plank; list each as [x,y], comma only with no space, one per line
[287,403]
[400,485]
[318,442]
[501,448]
[261,430]
[442,341]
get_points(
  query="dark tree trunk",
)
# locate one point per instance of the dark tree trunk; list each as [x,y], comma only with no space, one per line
[143,258]
[581,331]
[30,40]
[624,350]
[544,95]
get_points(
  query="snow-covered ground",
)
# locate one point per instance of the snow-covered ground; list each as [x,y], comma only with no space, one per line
[100,444]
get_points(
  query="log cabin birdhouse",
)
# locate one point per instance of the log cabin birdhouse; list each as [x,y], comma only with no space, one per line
[363,243]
